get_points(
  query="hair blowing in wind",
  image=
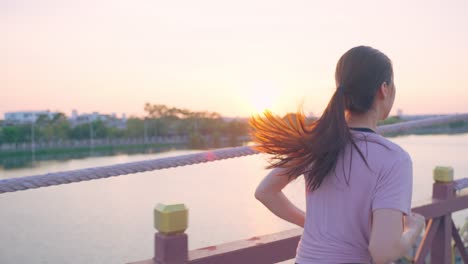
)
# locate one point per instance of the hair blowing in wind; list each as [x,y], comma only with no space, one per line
[313,149]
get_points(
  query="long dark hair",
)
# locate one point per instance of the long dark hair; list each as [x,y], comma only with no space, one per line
[313,149]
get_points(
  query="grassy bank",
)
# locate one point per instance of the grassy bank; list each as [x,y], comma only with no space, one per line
[87,149]
[21,159]
[457,127]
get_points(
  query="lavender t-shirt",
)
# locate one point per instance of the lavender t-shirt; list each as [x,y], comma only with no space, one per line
[338,215]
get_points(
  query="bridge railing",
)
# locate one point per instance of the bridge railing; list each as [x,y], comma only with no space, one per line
[171,243]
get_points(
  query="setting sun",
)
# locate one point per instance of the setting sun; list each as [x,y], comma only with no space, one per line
[263,95]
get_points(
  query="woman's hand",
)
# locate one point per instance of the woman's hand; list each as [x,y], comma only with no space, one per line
[414,223]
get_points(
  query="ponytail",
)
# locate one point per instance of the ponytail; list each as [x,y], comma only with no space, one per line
[299,148]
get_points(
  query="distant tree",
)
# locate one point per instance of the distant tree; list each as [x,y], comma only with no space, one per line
[100,129]
[163,120]
[51,129]
[59,117]
[113,132]
[235,129]
[155,110]
[135,127]
[43,119]
[15,134]
[80,132]
[458,124]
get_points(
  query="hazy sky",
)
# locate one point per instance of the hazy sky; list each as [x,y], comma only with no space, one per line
[232,57]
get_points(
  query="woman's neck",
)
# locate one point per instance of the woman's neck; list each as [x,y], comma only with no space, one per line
[368,120]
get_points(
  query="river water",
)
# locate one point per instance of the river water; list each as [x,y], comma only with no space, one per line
[110,220]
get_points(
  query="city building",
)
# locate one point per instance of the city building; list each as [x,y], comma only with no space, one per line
[25,117]
[111,120]
[28,117]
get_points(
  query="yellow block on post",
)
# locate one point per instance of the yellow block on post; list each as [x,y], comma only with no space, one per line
[171,219]
[443,174]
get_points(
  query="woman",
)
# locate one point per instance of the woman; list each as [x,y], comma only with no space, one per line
[358,184]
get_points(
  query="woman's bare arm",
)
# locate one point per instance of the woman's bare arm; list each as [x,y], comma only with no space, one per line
[391,238]
[269,192]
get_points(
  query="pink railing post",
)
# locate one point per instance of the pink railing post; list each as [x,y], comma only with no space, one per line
[171,243]
[443,189]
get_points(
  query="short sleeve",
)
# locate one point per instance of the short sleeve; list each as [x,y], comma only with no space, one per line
[394,186]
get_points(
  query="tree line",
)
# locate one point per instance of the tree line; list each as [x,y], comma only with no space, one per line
[159,121]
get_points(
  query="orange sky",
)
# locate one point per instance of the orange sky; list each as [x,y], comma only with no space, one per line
[232,57]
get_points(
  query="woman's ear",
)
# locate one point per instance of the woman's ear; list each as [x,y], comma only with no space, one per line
[383,91]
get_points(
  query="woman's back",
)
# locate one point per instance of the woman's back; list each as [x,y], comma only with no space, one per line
[338,215]
[359,184]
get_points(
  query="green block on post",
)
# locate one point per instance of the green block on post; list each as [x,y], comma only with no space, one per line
[443,174]
[171,219]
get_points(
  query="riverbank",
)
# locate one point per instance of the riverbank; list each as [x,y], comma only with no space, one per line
[88,149]
[20,159]
[194,141]
[25,156]
[88,144]
[454,128]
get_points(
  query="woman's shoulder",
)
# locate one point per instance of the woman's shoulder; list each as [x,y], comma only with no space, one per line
[380,145]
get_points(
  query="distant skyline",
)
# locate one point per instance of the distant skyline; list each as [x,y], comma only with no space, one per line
[231,57]
[125,115]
